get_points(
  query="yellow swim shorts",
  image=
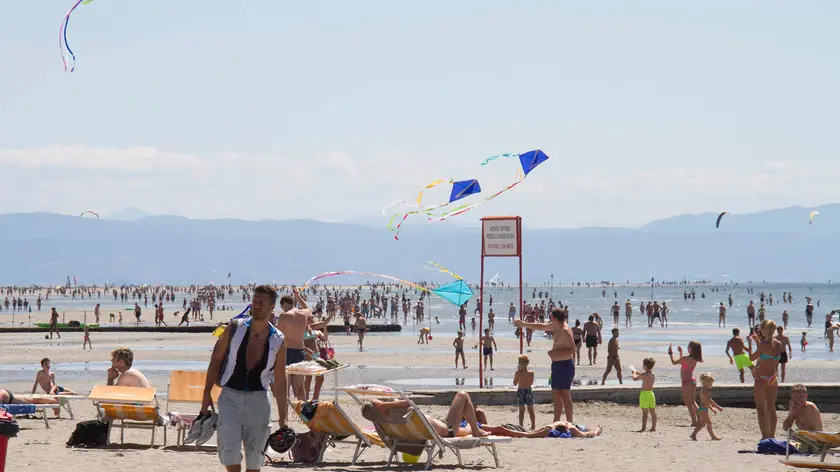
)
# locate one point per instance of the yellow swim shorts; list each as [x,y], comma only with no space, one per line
[647,399]
[742,361]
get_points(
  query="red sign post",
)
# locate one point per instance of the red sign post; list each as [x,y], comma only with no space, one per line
[501,236]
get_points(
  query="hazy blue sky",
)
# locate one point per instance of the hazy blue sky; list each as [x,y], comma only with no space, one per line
[330,110]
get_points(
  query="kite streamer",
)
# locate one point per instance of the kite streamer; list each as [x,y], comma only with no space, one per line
[440,268]
[460,189]
[717,224]
[457,292]
[62,35]
[89,211]
[811,217]
[498,156]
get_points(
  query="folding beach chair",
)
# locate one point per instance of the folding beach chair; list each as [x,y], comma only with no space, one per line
[131,417]
[818,442]
[413,432]
[187,386]
[331,419]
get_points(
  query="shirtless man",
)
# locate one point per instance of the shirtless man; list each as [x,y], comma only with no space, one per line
[751,314]
[122,374]
[616,312]
[801,412]
[562,362]
[555,429]
[628,313]
[592,331]
[739,357]
[293,323]
[722,315]
[54,323]
[488,343]
[530,317]
[612,358]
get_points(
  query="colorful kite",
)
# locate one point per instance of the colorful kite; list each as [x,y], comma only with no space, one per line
[460,189]
[89,212]
[529,161]
[62,35]
[457,292]
[717,225]
[813,214]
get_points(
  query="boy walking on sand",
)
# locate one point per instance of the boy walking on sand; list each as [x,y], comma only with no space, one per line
[458,344]
[612,358]
[524,379]
[647,400]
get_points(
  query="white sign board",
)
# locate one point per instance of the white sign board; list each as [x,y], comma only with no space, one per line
[501,237]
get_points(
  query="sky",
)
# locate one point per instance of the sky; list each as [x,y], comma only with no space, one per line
[331,110]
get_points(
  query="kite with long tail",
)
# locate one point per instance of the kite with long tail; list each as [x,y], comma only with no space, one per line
[528,160]
[62,37]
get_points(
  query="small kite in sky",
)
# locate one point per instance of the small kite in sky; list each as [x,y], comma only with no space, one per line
[813,214]
[457,292]
[91,212]
[62,36]
[717,225]
[460,189]
[528,160]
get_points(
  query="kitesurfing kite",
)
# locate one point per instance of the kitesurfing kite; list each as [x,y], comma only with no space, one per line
[62,36]
[813,214]
[528,160]
[457,292]
[460,189]
[717,225]
[91,212]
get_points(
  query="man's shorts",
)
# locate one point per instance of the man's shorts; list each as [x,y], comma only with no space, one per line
[488,351]
[742,361]
[293,356]
[244,419]
[591,341]
[562,374]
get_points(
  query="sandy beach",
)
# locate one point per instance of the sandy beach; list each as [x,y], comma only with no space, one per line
[395,360]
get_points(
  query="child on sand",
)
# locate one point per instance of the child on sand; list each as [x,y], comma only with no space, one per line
[647,400]
[524,379]
[86,341]
[689,383]
[458,344]
[425,333]
[706,405]
[803,342]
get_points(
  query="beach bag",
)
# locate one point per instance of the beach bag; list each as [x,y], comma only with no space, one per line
[8,425]
[93,433]
[307,447]
[327,352]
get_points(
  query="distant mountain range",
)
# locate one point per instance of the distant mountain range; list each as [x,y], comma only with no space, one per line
[131,247]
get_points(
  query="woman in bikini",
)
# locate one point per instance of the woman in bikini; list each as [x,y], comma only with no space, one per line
[689,383]
[766,388]
[577,332]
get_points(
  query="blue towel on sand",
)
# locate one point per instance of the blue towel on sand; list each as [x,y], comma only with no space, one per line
[19,409]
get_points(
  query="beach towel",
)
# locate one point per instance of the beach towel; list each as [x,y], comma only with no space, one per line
[774,446]
[19,409]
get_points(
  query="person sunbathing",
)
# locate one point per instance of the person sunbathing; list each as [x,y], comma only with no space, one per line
[551,430]
[449,427]
[8,398]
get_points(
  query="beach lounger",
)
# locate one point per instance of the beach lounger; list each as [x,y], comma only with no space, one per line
[414,431]
[31,409]
[820,442]
[131,417]
[123,395]
[187,386]
[331,419]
